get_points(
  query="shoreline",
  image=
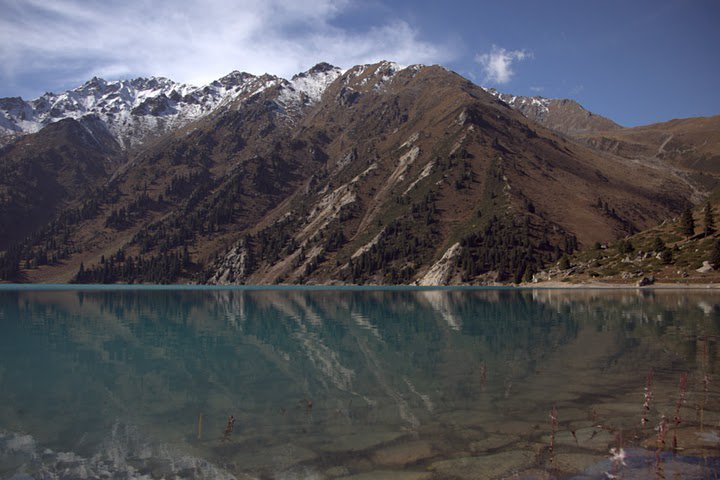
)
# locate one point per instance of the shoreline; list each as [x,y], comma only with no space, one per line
[546,285]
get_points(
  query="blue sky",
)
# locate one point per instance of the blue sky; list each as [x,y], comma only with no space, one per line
[635,62]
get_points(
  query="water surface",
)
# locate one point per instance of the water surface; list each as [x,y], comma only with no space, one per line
[331,383]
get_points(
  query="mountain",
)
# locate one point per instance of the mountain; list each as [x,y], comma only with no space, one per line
[376,174]
[44,172]
[689,144]
[133,110]
[562,115]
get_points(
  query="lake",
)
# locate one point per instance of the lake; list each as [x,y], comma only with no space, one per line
[359,383]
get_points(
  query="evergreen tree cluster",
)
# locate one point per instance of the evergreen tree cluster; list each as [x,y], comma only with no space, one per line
[466,176]
[125,217]
[181,229]
[666,255]
[276,241]
[511,248]
[10,263]
[405,243]
[162,269]
[335,239]
[609,211]
[51,243]
[204,212]
[709,217]
[182,185]
[715,254]
[687,223]
[625,246]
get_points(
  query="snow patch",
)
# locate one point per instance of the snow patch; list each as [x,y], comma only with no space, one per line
[539,104]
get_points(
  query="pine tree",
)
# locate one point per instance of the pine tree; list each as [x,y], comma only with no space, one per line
[687,224]
[715,256]
[658,244]
[709,220]
[666,256]
[564,263]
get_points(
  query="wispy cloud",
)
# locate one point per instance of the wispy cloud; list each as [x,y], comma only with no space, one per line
[497,64]
[537,89]
[576,90]
[193,41]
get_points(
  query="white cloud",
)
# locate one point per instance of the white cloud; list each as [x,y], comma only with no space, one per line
[537,89]
[497,65]
[194,41]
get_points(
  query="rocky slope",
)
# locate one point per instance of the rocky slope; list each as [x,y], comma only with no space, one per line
[691,144]
[562,115]
[661,254]
[379,174]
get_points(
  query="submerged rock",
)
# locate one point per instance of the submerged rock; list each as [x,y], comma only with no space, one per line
[591,438]
[487,467]
[493,442]
[403,454]
[575,462]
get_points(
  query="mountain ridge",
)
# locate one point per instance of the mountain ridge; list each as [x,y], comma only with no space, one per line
[137,109]
[375,174]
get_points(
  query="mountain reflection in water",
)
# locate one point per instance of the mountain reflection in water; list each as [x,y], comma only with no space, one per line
[331,383]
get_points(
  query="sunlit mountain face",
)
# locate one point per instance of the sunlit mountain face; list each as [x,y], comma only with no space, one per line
[378,174]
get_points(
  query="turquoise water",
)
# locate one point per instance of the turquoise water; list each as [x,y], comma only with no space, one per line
[327,383]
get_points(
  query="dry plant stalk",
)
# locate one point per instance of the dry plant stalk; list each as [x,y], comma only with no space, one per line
[677,419]
[706,390]
[662,431]
[199,426]
[706,383]
[648,395]
[617,457]
[229,427]
[554,427]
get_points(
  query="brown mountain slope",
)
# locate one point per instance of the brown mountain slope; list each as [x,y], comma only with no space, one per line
[43,172]
[439,167]
[691,143]
[414,175]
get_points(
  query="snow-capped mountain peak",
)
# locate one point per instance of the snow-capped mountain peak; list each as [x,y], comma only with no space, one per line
[540,105]
[131,109]
[307,87]
[134,110]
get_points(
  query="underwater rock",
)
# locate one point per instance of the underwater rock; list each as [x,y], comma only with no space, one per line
[403,454]
[486,467]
